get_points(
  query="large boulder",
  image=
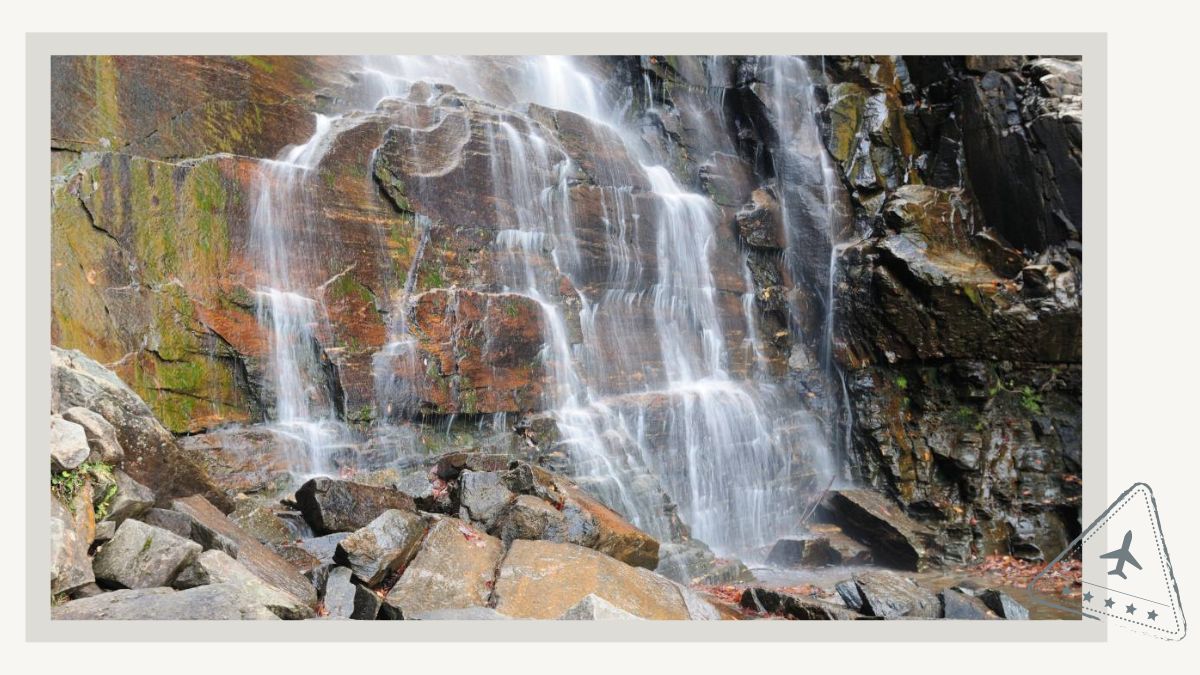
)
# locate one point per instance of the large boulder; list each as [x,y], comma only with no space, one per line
[151,455]
[344,599]
[455,568]
[793,606]
[101,435]
[387,543]
[68,444]
[124,497]
[143,556]
[213,602]
[209,524]
[331,505]
[895,538]
[72,529]
[888,595]
[543,580]
[216,567]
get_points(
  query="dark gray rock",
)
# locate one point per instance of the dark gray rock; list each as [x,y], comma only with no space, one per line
[216,567]
[214,602]
[172,521]
[1002,604]
[890,596]
[795,606]
[848,591]
[345,599]
[959,605]
[130,499]
[331,505]
[529,517]
[895,539]
[143,556]
[483,495]
[101,436]
[323,548]
[787,553]
[387,543]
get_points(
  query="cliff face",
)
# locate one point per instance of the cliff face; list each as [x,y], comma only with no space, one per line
[896,247]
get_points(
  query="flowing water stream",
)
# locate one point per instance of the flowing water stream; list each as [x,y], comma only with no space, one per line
[653,392]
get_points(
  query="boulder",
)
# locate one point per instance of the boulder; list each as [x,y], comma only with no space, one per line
[129,498]
[590,523]
[143,556]
[387,543]
[331,505]
[890,596]
[262,523]
[105,530]
[1003,605]
[483,496]
[213,602]
[345,599]
[216,567]
[151,455]
[210,524]
[542,580]
[322,548]
[595,608]
[68,445]
[455,568]
[459,614]
[529,517]
[71,533]
[787,552]
[171,521]
[101,436]
[895,539]
[794,606]
[959,605]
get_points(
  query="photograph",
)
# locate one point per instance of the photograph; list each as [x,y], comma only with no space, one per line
[566,337]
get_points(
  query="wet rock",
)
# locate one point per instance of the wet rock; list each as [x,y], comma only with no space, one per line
[794,606]
[483,495]
[889,596]
[958,605]
[216,567]
[595,608]
[345,599]
[528,517]
[787,553]
[590,523]
[143,556]
[152,457]
[894,538]
[213,602]
[209,523]
[101,436]
[454,568]
[296,556]
[71,534]
[331,505]
[759,223]
[542,580]
[1003,605]
[849,593]
[387,543]
[323,548]
[68,444]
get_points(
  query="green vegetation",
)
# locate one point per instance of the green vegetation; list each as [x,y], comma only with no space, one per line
[257,62]
[1031,400]
[902,382]
[67,484]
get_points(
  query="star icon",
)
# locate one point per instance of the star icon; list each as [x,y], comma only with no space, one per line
[1130,609]
[1108,602]
[1087,597]
[1152,615]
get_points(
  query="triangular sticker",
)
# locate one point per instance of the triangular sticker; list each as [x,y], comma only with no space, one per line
[1127,574]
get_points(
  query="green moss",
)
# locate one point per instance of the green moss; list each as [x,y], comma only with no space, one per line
[1031,400]
[434,278]
[257,62]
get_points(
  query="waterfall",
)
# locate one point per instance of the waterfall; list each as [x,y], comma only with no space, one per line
[657,383]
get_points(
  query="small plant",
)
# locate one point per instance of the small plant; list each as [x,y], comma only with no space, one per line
[902,382]
[106,500]
[68,483]
[1031,400]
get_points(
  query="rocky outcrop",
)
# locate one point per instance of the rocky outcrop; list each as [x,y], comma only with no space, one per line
[331,505]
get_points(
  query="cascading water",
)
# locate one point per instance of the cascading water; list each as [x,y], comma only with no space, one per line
[657,383]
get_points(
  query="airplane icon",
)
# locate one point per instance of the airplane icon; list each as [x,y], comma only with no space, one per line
[1122,556]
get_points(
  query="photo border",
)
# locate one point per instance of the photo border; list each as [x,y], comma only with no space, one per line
[41,46]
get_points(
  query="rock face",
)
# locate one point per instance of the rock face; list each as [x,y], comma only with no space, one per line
[543,580]
[151,455]
[385,544]
[342,506]
[454,569]
[894,539]
[143,556]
